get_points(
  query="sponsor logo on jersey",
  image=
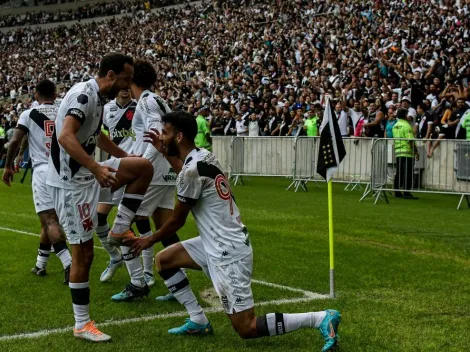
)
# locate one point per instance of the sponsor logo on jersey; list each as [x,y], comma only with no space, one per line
[123,133]
[171,176]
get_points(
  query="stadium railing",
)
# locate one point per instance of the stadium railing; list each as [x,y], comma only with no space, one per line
[369,165]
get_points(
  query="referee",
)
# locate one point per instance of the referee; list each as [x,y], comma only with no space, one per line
[405,150]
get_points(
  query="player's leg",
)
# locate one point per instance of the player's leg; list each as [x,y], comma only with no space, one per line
[55,233]
[102,231]
[169,262]
[77,211]
[135,174]
[143,226]
[43,253]
[233,285]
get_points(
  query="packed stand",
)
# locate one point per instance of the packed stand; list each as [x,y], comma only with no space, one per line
[266,68]
[94,10]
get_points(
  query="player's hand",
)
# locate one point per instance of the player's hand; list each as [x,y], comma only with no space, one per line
[105,176]
[153,137]
[8,176]
[19,160]
[137,245]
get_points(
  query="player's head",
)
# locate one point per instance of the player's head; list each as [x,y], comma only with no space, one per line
[178,131]
[145,74]
[124,94]
[45,91]
[116,70]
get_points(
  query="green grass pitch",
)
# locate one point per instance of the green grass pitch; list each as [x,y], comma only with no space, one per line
[402,277]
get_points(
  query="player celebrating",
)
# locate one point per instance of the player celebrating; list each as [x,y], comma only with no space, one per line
[159,200]
[74,178]
[222,250]
[117,120]
[38,124]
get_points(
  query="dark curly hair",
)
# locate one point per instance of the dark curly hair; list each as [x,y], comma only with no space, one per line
[145,74]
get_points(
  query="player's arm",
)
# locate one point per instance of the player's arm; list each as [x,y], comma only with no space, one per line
[11,154]
[171,226]
[68,140]
[106,144]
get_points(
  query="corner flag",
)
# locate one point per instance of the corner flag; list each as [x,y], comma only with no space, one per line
[330,155]
[332,150]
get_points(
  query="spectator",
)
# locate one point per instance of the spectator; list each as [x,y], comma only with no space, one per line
[391,121]
[203,138]
[405,150]
[253,125]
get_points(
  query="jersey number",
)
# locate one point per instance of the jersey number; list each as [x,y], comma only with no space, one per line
[49,128]
[223,190]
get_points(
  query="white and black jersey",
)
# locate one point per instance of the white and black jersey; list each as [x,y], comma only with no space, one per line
[117,120]
[84,103]
[202,184]
[38,123]
[148,115]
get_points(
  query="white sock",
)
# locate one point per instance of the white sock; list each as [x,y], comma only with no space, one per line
[186,297]
[114,253]
[134,267]
[81,303]
[129,205]
[42,258]
[298,321]
[147,255]
[279,324]
[62,252]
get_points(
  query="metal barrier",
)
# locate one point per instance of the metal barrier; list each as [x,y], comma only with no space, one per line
[446,172]
[354,170]
[261,156]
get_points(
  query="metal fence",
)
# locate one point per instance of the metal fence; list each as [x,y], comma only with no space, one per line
[447,171]
[370,165]
[261,156]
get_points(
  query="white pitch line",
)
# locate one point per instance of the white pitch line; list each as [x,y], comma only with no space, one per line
[309,296]
[30,233]
[43,333]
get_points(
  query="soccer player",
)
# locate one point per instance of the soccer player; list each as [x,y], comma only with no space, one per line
[159,200]
[117,120]
[223,249]
[38,124]
[74,177]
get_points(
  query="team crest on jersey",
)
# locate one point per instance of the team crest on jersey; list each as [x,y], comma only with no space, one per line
[129,115]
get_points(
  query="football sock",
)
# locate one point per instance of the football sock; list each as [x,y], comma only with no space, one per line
[102,231]
[178,284]
[62,252]
[81,303]
[134,267]
[126,212]
[278,324]
[43,255]
[143,225]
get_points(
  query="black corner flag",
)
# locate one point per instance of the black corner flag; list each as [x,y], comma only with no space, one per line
[332,150]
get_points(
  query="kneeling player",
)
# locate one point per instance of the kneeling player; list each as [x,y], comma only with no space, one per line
[38,124]
[223,249]
[74,178]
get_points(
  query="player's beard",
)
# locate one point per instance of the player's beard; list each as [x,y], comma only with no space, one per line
[172,149]
[113,92]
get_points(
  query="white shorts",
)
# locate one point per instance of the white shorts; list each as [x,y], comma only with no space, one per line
[157,197]
[232,282]
[77,208]
[41,196]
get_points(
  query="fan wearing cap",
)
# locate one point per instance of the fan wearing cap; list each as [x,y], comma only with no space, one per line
[203,138]
[411,115]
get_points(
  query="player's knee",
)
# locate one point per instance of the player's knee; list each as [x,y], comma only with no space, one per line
[145,168]
[163,260]
[245,331]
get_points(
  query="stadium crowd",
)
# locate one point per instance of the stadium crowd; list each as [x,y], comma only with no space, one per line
[266,67]
[93,10]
